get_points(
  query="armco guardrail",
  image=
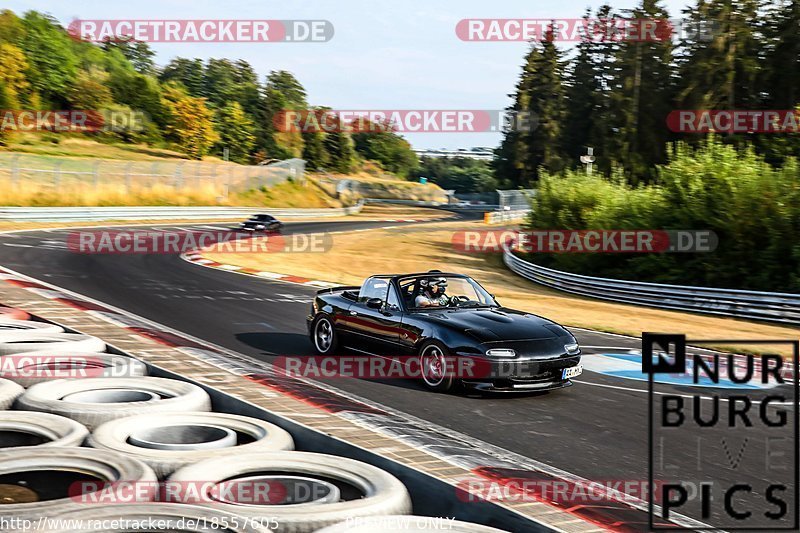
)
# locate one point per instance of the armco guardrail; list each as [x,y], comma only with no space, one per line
[417,203]
[769,306]
[81,214]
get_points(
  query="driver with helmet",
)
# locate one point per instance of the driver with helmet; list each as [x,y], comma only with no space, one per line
[432,293]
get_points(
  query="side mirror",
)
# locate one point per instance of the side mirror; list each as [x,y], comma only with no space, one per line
[374,303]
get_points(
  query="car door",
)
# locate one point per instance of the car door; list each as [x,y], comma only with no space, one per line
[375,330]
[271,223]
[409,329]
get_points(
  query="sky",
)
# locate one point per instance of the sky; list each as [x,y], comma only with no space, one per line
[384,55]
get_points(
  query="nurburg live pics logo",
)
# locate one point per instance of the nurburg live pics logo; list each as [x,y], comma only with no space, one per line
[725,448]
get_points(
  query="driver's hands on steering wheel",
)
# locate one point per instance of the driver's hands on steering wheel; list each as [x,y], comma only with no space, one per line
[455,300]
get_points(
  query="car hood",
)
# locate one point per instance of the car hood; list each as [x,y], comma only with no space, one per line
[498,324]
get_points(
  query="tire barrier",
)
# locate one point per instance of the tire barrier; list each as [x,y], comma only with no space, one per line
[30,368]
[13,313]
[41,481]
[9,392]
[167,442]
[173,517]
[20,428]
[12,325]
[54,343]
[93,401]
[387,524]
[136,430]
[307,491]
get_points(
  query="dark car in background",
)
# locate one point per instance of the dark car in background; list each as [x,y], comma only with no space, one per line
[510,350]
[261,222]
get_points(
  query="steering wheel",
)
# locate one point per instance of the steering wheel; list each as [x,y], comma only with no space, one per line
[457,300]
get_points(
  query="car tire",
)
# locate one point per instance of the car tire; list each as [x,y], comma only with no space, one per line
[47,495]
[374,491]
[385,524]
[434,375]
[28,427]
[324,347]
[101,365]
[117,435]
[169,516]
[170,396]
[31,341]
[9,392]
[13,326]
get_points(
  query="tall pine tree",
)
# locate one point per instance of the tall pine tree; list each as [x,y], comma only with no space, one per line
[721,72]
[546,101]
[589,121]
[508,161]
[540,99]
[642,95]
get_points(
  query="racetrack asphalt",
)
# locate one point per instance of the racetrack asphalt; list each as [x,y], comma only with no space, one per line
[597,429]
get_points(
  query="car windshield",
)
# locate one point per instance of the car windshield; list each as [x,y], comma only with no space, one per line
[442,291]
[260,218]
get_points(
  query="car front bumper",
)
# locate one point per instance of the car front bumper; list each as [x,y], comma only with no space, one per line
[521,375]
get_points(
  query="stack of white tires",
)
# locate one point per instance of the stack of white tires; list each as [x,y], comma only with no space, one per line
[88,437]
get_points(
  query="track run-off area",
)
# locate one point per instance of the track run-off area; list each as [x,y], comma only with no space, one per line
[596,429]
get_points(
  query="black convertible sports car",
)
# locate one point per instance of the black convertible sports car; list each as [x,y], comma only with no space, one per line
[434,319]
[261,222]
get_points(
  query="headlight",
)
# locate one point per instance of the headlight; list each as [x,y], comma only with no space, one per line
[501,352]
[572,349]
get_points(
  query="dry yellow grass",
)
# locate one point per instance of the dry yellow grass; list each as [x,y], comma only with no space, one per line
[34,143]
[286,194]
[386,186]
[355,256]
[75,171]
[39,195]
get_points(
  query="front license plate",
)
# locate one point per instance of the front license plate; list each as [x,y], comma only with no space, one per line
[571,372]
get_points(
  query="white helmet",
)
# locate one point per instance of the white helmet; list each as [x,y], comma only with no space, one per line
[438,284]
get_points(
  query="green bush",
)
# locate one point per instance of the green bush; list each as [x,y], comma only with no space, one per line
[752,207]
